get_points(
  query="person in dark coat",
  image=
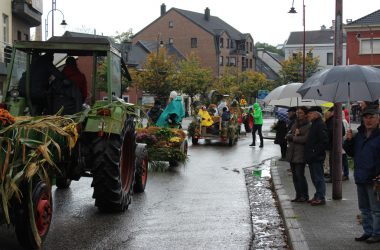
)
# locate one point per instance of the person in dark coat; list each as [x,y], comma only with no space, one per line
[154,113]
[72,73]
[315,154]
[295,155]
[281,131]
[292,117]
[41,69]
[364,147]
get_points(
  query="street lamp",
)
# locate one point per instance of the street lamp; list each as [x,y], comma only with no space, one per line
[63,23]
[293,11]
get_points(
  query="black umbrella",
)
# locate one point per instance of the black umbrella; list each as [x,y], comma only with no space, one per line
[343,84]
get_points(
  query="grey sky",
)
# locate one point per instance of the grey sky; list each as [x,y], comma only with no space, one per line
[267,20]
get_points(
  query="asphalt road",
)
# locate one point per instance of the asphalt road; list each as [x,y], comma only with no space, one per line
[202,205]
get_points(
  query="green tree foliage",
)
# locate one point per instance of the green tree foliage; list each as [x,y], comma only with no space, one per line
[157,76]
[236,83]
[125,36]
[292,68]
[270,48]
[101,77]
[192,79]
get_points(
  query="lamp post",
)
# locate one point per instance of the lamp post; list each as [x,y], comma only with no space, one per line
[63,23]
[293,11]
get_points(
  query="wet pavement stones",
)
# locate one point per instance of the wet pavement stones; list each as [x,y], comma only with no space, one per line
[267,225]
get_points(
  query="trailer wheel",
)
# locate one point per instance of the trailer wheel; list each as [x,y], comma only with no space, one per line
[184,148]
[142,162]
[114,169]
[43,211]
[62,182]
[194,141]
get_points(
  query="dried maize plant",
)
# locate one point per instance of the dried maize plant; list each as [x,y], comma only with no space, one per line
[30,146]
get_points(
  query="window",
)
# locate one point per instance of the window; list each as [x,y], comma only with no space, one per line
[294,55]
[6,28]
[221,42]
[250,63]
[221,60]
[194,42]
[243,65]
[231,61]
[18,35]
[370,46]
[26,37]
[171,24]
[228,43]
[171,40]
[250,47]
[330,58]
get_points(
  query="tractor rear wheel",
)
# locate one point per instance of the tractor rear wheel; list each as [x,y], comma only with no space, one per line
[43,210]
[114,169]
[142,162]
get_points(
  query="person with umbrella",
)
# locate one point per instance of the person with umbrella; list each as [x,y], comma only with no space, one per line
[365,148]
[315,153]
[296,138]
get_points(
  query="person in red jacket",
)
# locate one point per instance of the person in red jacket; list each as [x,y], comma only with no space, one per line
[72,72]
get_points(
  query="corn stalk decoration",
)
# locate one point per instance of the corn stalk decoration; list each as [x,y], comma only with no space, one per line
[22,158]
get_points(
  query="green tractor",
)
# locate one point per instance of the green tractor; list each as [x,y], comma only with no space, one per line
[102,143]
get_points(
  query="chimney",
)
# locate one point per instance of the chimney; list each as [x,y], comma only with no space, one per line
[323,27]
[207,14]
[163,9]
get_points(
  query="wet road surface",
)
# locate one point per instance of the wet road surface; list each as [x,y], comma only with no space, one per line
[202,205]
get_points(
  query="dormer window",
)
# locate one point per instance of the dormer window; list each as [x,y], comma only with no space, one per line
[221,42]
[171,24]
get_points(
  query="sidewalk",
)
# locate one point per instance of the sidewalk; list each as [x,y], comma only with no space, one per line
[333,226]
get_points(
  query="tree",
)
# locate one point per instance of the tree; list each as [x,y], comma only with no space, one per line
[157,76]
[125,36]
[101,77]
[292,68]
[247,83]
[192,79]
[270,48]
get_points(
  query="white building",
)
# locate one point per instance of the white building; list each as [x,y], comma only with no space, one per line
[321,42]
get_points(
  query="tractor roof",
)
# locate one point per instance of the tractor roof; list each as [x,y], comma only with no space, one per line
[70,45]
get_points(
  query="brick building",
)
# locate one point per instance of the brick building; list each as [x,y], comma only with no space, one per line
[216,43]
[363,40]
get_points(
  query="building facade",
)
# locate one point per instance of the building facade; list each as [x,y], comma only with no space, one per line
[215,42]
[17,17]
[320,42]
[363,40]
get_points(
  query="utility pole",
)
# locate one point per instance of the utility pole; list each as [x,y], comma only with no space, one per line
[336,174]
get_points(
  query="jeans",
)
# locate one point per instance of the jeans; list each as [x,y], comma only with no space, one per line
[345,165]
[316,173]
[370,209]
[299,180]
[257,127]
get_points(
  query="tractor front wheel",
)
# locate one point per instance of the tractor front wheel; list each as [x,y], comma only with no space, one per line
[114,169]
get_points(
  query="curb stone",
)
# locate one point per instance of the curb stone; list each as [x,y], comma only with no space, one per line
[293,230]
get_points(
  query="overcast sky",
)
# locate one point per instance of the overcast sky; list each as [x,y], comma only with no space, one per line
[266,20]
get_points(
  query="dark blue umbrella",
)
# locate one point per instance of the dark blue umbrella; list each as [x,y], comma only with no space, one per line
[282,114]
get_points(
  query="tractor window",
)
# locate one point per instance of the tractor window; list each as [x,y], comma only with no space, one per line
[116,75]
[19,67]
